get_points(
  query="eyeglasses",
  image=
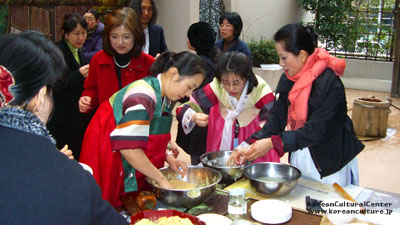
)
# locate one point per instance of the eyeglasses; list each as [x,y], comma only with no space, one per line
[228,25]
[235,83]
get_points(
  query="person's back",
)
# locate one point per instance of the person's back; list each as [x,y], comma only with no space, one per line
[38,183]
[42,186]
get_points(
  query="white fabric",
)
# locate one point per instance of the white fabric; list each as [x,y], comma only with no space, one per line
[145,48]
[187,123]
[302,160]
[238,107]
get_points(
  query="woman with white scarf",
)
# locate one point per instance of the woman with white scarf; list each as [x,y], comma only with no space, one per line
[233,106]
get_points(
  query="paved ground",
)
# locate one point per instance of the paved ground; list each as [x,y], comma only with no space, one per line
[379,162]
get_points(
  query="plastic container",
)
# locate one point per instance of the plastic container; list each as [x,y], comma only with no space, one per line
[237,205]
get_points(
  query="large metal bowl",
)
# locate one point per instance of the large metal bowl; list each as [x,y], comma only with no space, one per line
[204,179]
[217,160]
[272,179]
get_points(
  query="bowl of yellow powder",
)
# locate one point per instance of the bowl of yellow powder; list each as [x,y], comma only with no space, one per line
[196,187]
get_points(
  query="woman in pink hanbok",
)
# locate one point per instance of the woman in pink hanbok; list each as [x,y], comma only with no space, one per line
[232,107]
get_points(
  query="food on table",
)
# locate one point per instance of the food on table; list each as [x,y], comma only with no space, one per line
[172,220]
[180,184]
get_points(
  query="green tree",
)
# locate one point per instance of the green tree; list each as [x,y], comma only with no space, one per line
[330,19]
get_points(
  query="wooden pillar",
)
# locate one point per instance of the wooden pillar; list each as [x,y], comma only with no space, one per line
[395,92]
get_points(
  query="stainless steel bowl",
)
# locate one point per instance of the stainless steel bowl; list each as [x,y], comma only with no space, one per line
[204,179]
[272,179]
[217,160]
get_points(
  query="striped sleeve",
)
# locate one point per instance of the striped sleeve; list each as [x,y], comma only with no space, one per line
[133,130]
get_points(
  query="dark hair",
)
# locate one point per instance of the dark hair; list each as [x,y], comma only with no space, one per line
[137,6]
[94,13]
[202,37]
[187,63]
[71,21]
[234,19]
[127,17]
[34,62]
[296,37]
[239,64]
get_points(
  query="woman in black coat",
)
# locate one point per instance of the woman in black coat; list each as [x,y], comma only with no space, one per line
[39,185]
[310,116]
[67,124]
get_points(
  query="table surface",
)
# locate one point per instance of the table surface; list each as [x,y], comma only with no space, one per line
[218,202]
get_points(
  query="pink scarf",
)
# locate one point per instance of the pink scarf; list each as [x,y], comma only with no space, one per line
[316,63]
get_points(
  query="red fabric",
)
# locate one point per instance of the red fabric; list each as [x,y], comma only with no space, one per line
[6,81]
[278,144]
[102,82]
[298,96]
[214,131]
[265,100]
[107,165]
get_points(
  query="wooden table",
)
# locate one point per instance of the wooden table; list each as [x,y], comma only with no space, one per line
[218,204]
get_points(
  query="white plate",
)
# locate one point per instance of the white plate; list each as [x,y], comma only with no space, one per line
[214,219]
[271,211]
[87,168]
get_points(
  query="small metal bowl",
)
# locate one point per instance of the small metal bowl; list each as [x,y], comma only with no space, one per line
[205,180]
[272,179]
[217,160]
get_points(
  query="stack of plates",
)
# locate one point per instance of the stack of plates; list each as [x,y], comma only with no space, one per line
[271,211]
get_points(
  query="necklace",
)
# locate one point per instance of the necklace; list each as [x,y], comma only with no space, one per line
[124,66]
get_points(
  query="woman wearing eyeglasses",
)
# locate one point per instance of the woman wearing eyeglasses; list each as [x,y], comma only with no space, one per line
[233,106]
[230,27]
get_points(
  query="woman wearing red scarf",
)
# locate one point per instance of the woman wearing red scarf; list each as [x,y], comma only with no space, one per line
[310,116]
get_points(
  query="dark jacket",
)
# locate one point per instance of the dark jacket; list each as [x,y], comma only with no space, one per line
[194,143]
[40,185]
[67,124]
[328,132]
[239,46]
[157,40]
[93,43]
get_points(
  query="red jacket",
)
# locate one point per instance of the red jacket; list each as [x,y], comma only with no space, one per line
[102,82]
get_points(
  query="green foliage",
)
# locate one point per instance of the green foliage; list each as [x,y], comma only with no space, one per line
[352,26]
[263,52]
[3,19]
[330,19]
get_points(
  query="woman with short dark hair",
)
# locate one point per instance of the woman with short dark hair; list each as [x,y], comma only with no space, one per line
[230,28]
[67,124]
[39,181]
[119,63]
[94,40]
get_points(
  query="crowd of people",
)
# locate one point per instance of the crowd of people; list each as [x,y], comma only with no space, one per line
[104,94]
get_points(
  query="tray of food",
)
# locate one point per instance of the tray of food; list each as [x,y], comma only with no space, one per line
[164,217]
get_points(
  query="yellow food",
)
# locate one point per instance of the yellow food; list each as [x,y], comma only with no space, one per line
[145,222]
[179,184]
[172,220]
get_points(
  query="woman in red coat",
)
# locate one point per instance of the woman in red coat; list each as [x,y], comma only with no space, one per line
[119,63]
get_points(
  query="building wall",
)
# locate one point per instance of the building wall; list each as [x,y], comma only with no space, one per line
[262,19]
[175,16]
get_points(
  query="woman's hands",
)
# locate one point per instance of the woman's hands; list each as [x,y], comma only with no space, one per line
[67,152]
[200,119]
[177,165]
[254,151]
[85,104]
[84,70]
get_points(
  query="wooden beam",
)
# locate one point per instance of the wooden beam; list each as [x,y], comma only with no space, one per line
[395,92]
